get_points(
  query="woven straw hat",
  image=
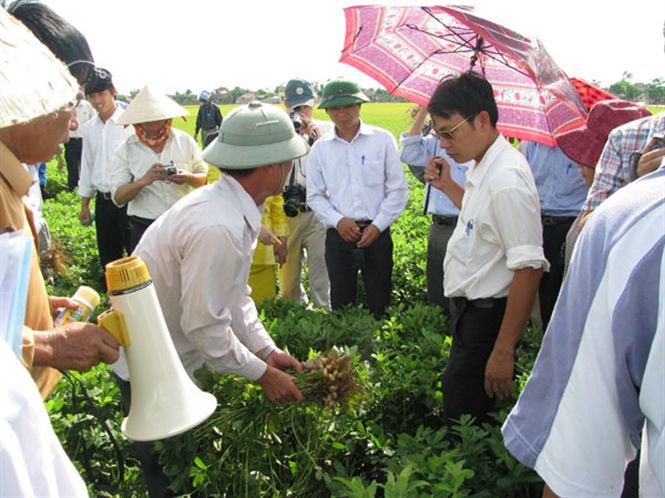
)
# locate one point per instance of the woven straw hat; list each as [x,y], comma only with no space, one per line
[149,105]
[34,83]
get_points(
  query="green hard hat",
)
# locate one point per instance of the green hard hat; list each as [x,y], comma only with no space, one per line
[255,135]
[338,93]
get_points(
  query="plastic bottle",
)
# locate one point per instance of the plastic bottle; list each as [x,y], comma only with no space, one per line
[87,300]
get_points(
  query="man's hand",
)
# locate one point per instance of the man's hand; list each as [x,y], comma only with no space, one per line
[85,217]
[437,172]
[499,374]
[281,250]
[267,237]
[278,386]
[369,235]
[349,230]
[650,161]
[75,346]
[56,303]
[155,173]
[280,359]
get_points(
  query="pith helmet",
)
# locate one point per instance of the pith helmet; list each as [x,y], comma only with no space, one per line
[298,92]
[338,93]
[255,135]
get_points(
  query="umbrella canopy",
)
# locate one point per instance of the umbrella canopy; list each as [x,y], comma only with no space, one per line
[409,50]
[590,93]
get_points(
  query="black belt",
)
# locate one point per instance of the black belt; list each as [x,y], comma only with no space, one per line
[555,220]
[142,222]
[483,303]
[444,220]
[105,195]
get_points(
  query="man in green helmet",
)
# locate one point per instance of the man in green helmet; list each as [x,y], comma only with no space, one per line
[356,187]
[199,252]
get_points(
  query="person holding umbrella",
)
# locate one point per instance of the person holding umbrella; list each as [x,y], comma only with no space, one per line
[495,256]
[416,148]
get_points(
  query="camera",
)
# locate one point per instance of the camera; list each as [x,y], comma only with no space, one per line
[295,197]
[170,169]
[296,118]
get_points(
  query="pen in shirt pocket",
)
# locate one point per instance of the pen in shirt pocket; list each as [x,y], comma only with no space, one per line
[362,159]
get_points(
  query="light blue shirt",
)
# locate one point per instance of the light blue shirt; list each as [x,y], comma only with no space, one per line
[415,150]
[559,181]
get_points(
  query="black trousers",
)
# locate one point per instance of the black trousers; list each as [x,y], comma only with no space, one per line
[112,227]
[475,327]
[73,150]
[137,227]
[554,241]
[153,476]
[375,263]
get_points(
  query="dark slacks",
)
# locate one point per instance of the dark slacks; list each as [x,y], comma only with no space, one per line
[475,327]
[375,263]
[437,244]
[153,476]
[137,227]
[554,241]
[73,149]
[112,227]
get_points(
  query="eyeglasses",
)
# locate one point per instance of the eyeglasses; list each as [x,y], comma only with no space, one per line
[450,134]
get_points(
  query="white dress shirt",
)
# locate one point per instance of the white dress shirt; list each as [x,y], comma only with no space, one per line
[132,159]
[498,230]
[198,254]
[32,460]
[99,143]
[362,179]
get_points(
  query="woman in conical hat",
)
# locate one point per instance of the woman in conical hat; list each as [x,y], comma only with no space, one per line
[156,167]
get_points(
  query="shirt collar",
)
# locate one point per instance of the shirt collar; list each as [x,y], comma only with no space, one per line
[11,168]
[247,206]
[477,171]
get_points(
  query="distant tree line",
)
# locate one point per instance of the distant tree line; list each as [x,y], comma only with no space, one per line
[649,93]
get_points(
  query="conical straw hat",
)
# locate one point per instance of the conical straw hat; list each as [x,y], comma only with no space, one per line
[33,82]
[149,105]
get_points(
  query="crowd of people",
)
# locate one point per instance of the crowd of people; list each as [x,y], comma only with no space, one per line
[512,240]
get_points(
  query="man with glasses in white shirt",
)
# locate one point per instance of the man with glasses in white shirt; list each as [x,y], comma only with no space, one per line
[495,257]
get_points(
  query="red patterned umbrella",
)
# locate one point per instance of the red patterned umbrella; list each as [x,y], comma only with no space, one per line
[409,50]
[590,93]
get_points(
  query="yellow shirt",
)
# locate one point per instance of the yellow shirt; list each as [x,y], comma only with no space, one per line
[273,218]
[14,215]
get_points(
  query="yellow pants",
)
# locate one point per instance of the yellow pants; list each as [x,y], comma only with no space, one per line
[263,281]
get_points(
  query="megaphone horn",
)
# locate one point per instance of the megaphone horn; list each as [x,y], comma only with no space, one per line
[165,401]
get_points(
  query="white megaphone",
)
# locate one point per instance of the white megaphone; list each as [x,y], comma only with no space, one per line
[165,401]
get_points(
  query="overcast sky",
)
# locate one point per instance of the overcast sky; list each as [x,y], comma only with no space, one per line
[205,44]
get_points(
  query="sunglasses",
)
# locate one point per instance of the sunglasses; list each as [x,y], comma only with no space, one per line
[450,134]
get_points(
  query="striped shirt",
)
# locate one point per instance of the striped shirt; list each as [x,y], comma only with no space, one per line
[598,380]
[613,168]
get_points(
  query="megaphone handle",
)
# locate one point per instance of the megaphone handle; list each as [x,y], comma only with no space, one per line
[114,323]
